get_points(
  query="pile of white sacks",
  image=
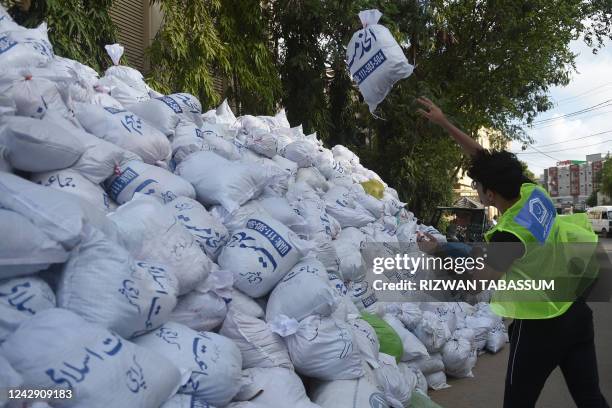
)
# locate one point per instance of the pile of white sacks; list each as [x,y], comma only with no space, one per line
[156,256]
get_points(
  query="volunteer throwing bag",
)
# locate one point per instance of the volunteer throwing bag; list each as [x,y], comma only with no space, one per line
[375,60]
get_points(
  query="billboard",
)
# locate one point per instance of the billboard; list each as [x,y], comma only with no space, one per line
[553,181]
[574,180]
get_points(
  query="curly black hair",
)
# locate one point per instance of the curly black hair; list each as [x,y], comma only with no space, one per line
[498,171]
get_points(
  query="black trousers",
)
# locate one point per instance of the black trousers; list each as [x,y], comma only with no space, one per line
[537,347]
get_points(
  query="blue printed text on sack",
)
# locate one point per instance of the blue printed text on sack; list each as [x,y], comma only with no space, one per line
[6,43]
[121,182]
[19,296]
[73,372]
[279,243]
[366,69]
[364,43]
[172,104]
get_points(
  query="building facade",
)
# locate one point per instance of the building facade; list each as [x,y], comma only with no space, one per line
[137,21]
[571,182]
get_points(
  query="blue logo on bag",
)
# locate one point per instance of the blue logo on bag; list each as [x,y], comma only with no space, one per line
[360,288]
[537,215]
[189,101]
[364,43]
[278,242]
[370,300]
[6,43]
[121,182]
[370,66]
[172,104]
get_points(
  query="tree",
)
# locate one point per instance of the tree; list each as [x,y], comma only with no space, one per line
[78,29]
[488,64]
[591,201]
[200,40]
[188,49]
[254,78]
[528,172]
[298,34]
[606,177]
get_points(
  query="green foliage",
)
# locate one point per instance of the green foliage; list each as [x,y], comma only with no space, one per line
[419,161]
[591,201]
[188,49]
[606,177]
[255,82]
[488,64]
[78,29]
[528,172]
[201,40]
[298,32]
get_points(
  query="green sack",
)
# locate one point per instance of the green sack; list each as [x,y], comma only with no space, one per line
[419,400]
[374,188]
[390,342]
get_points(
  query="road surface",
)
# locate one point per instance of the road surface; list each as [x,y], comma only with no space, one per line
[486,389]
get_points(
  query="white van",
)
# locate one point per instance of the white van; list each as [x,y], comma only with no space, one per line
[601,219]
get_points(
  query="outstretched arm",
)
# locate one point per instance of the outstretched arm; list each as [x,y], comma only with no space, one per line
[435,115]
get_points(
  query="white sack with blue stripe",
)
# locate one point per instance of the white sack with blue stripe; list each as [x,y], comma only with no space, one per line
[375,60]
[261,254]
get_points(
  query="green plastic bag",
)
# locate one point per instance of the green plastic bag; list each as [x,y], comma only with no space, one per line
[390,341]
[418,400]
[374,188]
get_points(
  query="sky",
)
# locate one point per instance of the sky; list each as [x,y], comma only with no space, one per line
[573,137]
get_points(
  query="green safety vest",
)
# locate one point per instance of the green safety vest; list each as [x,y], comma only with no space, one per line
[534,221]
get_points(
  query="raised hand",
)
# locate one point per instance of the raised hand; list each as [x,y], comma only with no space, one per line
[433,113]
